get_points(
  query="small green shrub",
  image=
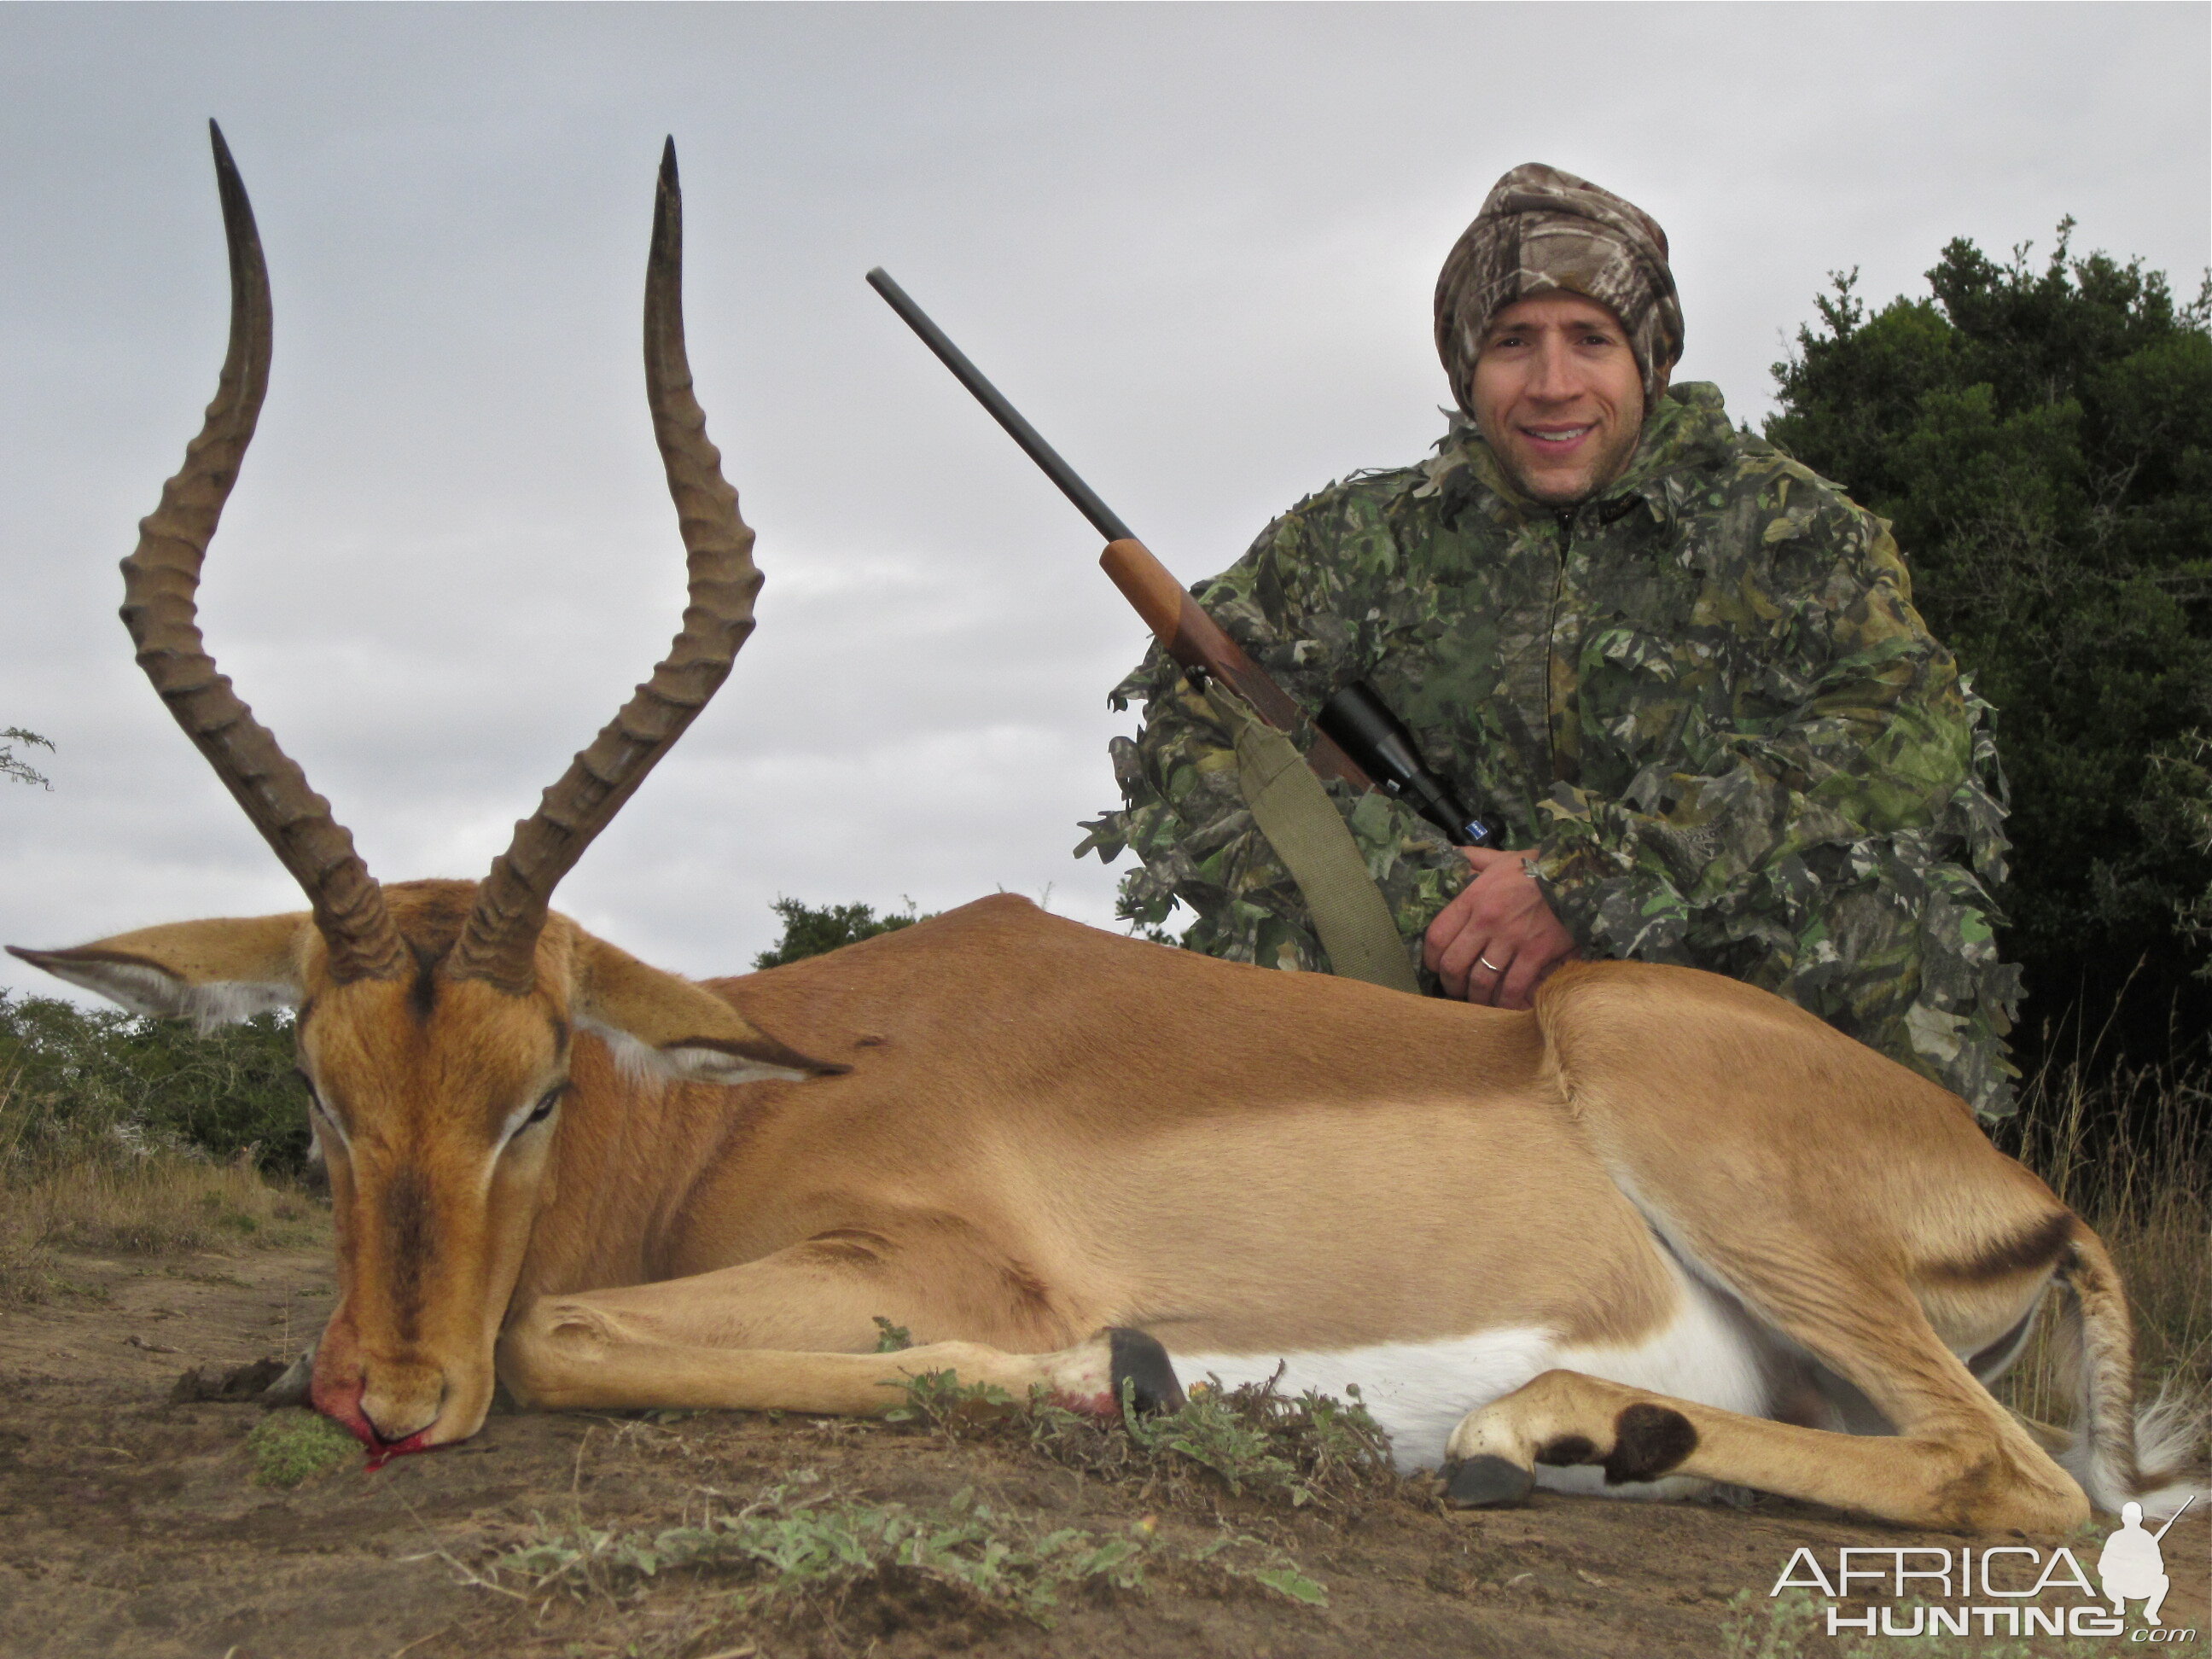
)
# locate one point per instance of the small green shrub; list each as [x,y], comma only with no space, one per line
[291,1448]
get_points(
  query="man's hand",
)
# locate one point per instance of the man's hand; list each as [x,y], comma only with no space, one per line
[1496,940]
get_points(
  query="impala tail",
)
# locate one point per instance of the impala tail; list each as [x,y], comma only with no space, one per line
[2121,1451]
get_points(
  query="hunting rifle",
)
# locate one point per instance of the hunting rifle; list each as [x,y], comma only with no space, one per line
[1357,739]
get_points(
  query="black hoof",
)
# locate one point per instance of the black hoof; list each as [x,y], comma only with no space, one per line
[1142,1364]
[291,1388]
[1483,1483]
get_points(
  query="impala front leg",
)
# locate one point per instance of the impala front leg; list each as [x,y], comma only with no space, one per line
[564,1356]
[703,1343]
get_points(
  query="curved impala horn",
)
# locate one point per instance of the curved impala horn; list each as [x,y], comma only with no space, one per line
[499,942]
[160,580]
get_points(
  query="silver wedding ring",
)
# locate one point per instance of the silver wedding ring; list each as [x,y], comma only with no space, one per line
[1488,964]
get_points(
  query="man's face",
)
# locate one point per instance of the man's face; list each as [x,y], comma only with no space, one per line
[1558,396]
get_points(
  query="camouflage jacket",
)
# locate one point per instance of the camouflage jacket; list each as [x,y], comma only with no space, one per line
[1703,695]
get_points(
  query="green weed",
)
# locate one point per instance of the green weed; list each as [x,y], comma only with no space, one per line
[822,1548]
[1254,1438]
[957,1410]
[1251,1440]
[291,1448]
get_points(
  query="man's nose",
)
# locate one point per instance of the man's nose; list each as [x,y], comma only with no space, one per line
[1553,380]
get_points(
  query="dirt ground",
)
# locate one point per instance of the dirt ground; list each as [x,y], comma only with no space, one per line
[130,1526]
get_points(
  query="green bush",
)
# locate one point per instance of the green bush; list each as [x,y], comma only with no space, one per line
[809,931]
[2042,438]
[87,1077]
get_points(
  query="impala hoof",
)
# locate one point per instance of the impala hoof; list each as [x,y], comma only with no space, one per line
[1139,1362]
[292,1388]
[1486,1482]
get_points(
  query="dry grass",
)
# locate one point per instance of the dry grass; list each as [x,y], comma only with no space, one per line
[2131,1151]
[166,1202]
[107,1196]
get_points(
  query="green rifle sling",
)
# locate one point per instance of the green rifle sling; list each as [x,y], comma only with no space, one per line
[1308,834]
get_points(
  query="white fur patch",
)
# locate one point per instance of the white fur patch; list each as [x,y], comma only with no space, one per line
[643,1063]
[1709,1352]
[718,1066]
[2167,1431]
[1083,1373]
[145,989]
[638,1061]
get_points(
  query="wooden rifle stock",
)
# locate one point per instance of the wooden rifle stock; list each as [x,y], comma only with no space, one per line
[1196,641]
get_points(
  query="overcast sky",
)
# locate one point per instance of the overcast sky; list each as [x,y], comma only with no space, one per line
[1195,245]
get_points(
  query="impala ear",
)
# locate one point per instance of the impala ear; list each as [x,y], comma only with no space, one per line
[658,1021]
[213,973]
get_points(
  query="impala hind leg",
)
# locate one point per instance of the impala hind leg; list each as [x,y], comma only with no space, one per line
[782,1334]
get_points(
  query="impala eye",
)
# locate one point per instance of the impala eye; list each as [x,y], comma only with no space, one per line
[318,1109]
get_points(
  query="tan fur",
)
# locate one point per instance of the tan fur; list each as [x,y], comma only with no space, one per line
[1020,1130]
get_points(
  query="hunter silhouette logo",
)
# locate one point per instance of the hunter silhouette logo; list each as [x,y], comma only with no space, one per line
[2132,1567]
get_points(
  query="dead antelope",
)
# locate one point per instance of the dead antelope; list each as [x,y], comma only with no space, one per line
[1663,1229]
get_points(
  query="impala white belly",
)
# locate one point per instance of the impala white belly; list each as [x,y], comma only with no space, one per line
[1708,1351]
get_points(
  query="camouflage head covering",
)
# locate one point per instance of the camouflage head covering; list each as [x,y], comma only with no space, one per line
[1541,229]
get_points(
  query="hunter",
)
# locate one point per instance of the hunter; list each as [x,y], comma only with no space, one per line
[1682,671]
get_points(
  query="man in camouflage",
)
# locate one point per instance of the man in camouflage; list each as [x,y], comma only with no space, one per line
[1683,670]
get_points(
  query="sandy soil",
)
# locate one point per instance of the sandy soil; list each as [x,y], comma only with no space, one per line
[129,1526]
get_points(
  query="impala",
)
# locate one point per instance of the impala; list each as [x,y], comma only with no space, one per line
[1663,1229]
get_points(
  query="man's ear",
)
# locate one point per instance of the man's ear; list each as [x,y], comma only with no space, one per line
[659,1022]
[212,972]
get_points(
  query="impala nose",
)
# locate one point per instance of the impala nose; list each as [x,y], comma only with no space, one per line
[401,1402]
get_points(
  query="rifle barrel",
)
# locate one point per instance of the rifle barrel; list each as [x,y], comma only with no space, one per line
[2171,1519]
[1086,500]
